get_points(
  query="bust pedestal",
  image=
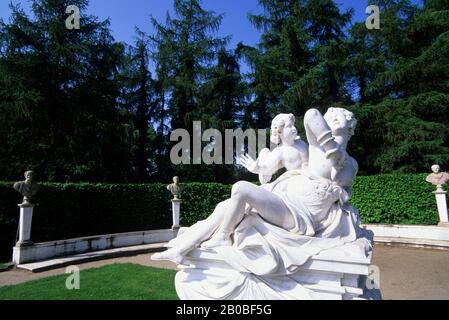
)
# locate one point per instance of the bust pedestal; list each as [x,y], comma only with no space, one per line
[176,209]
[440,196]
[24,242]
[26,219]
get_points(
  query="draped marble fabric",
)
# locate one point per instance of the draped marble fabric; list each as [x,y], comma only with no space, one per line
[266,259]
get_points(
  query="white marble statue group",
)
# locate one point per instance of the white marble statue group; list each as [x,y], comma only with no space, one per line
[268,232]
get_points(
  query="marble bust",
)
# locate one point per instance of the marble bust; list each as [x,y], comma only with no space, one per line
[28,188]
[437,178]
[175,188]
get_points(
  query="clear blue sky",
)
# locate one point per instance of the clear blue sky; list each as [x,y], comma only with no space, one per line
[126,14]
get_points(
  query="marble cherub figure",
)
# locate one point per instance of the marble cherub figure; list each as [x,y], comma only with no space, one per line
[28,188]
[290,153]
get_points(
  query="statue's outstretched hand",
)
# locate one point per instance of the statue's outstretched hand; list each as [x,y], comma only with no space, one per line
[249,163]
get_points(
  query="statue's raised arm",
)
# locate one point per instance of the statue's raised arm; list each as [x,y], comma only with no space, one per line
[328,137]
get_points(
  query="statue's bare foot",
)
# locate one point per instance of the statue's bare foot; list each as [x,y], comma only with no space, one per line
[220,239]
[169,255]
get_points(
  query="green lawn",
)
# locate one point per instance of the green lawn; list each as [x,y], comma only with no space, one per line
[113,282]
[3,266]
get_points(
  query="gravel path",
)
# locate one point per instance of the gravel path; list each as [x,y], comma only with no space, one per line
[405,273]
[412,274]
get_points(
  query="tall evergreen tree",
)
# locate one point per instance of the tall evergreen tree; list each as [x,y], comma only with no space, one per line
[185,52]
[222,101]
[326,29]
[139,98]
[222,94]
[186,47]
[282,56]
[404,114]
[301,59]
[58,97]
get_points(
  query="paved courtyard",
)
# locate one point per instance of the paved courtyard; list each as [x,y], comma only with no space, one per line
[406,273]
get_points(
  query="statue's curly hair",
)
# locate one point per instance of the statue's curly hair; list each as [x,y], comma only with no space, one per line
[349,116]
[282,118]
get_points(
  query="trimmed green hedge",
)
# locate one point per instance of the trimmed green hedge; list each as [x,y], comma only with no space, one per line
[395,199]
[76,210]
[200,200]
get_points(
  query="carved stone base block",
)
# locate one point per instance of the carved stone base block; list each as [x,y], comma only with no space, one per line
[326,276]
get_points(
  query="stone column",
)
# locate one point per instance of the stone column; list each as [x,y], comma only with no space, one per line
[440,196]
[26,218]
[176,209]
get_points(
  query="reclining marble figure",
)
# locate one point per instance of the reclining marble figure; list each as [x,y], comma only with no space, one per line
[260,243]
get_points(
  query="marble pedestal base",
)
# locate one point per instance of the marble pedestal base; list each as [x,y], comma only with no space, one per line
[176,209]
[440,196]
[327,276]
